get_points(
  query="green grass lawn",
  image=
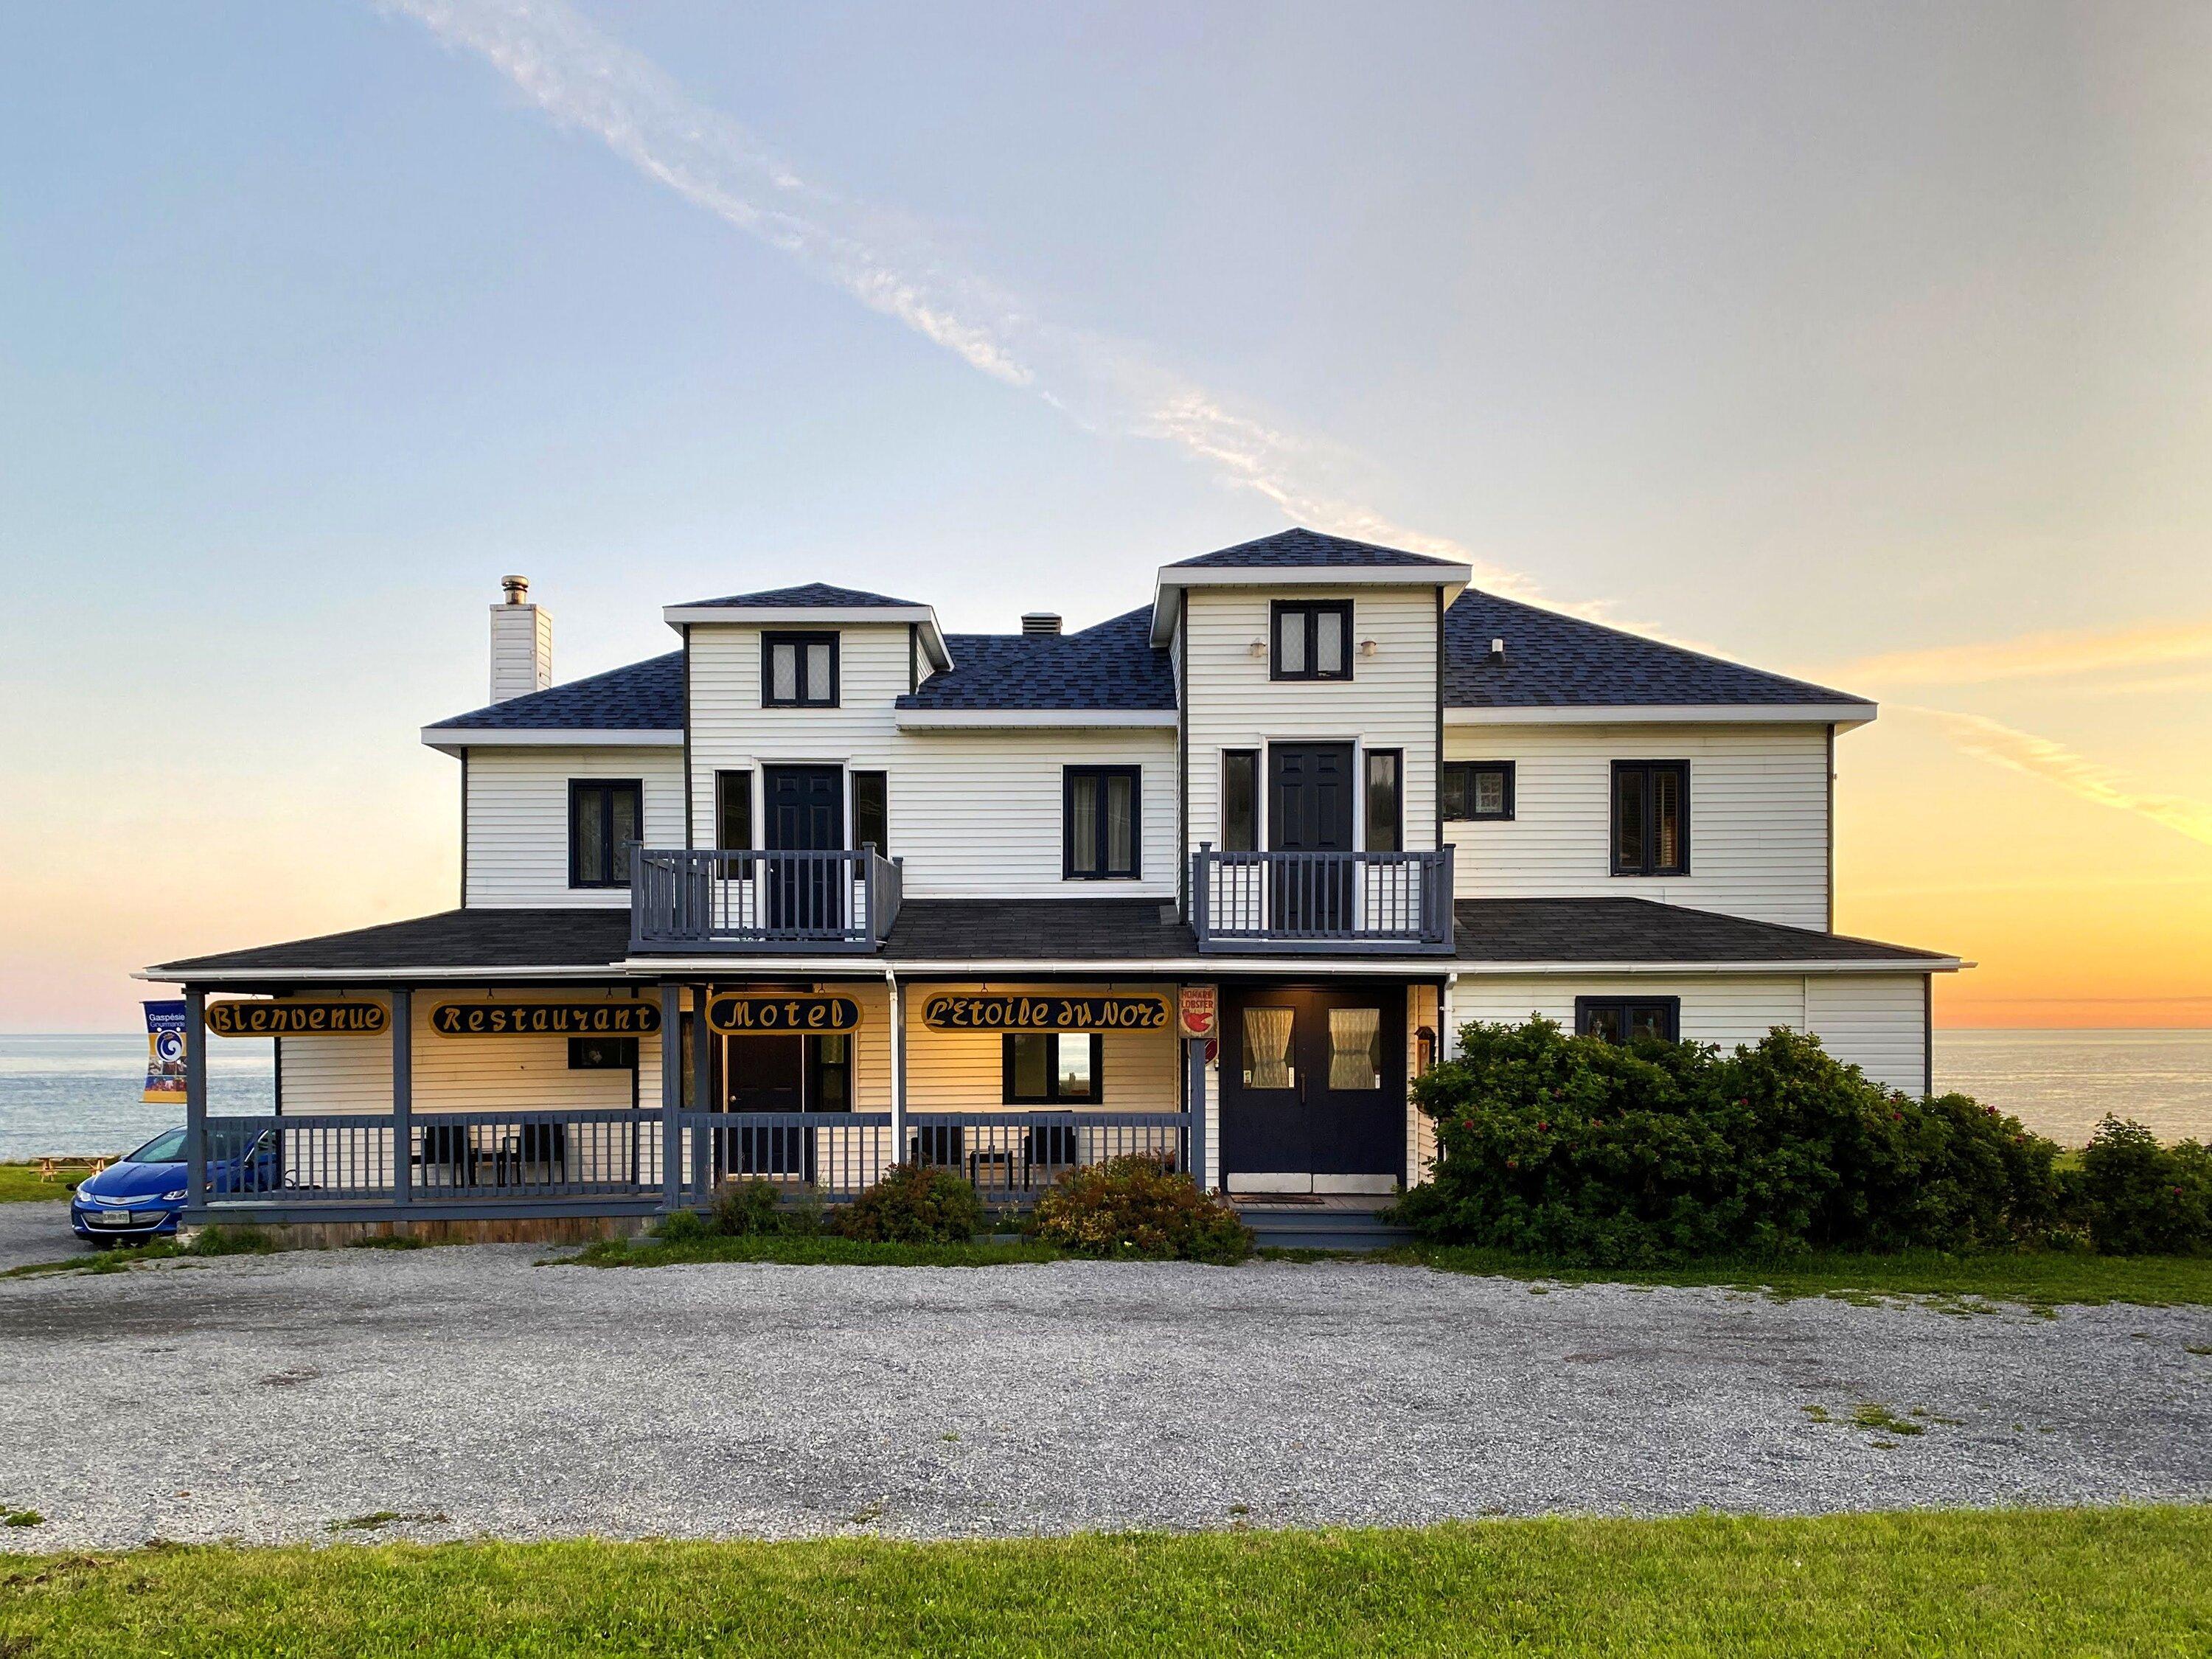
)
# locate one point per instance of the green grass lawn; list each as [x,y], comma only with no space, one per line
[2037,1279]
[2083,1580]
[820,1251]
[20,1183]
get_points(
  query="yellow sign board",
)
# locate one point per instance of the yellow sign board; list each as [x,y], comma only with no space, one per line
[965,1011]
[633,1017]
[298,1018]
[749,1013]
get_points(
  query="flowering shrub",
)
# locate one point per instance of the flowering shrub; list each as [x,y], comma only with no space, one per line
[912,1204]
[1138,1207]
[1580,1149]
[2136,1197]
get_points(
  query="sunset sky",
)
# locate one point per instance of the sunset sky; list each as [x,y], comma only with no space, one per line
[1872,344]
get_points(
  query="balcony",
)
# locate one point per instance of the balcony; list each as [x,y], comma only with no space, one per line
[705,899]
[1337,903]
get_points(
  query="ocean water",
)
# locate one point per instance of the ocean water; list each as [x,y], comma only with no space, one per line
[80,1094]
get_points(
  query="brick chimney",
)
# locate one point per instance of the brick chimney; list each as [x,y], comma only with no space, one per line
[521,643]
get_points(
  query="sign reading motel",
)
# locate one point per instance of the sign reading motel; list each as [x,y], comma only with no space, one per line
[297,1019]
[748,1014]
[951,1012]
[629,1018]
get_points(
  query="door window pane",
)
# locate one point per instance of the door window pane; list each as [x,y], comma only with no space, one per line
[1267,1049]
[1240,801]
[872,812]
[1291,642]
[1074,1072]
[733,810]
[1355,1047]
[1383,808]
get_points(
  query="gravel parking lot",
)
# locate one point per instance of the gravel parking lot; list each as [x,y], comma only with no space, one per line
[267,1398]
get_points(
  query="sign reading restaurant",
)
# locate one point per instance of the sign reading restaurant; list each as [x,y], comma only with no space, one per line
[634,1018]
[989,1012]
[297,1017]
[749,1012]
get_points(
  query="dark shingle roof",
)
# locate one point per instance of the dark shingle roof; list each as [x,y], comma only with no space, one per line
[1289,549]
[1553,660]
[1028,930]
[644,697]
[1110,666]
[450,939]
[819,596]
[1606,930]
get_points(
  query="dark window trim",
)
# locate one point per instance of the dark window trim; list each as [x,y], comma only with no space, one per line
[1467,769]
[1007,1097]
[636,786]
[1583,1006]
[853,783]
[1068,776]
[723,841]
[800,638]
[621,1054]
[1310,609]
[1368,757]
[1648,864]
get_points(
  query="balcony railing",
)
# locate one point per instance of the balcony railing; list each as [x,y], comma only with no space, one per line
[710,899]
[1338,902]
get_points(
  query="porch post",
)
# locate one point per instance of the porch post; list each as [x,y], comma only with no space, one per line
[671,1095]
[899,1069]
[403,1096]
[1201,1153]
[195,1099]
[703,1085]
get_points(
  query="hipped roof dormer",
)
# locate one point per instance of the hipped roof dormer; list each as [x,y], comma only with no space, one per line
[815,602]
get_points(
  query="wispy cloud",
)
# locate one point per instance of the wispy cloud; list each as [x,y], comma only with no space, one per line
[2054,762]
[2035,656]
[584,80]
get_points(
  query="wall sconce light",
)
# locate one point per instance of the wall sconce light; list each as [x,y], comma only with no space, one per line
[1367,647]
[1259,648]
[1425,1050]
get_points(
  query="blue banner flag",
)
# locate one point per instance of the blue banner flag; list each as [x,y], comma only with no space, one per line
[165,1054]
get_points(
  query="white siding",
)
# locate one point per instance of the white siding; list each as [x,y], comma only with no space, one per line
[962,1071]
[973,814]
[1877,1022]
[1390,701]
[1759,817]
[517,819]
[340,1074]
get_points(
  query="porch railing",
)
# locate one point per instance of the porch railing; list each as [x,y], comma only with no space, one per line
[719,899]
[484,1163]
[1348,902]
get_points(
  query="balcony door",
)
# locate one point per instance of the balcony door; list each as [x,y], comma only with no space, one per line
[805,811]
[1309,803]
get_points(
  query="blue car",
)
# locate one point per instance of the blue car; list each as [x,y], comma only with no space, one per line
[141,1196]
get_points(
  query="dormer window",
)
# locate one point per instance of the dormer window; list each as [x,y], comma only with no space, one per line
[1312,639]
[799,671]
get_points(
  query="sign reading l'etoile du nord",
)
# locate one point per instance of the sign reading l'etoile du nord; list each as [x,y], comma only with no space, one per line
[1010,1012]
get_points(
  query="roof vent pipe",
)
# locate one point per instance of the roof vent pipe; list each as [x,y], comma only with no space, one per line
[1496,650]
[518,589]
[1040,621]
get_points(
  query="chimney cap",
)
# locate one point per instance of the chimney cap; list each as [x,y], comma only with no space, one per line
[1040,621]
[517,589]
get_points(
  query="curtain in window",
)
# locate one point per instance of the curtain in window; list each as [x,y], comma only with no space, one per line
[1084,796]
[1267,1049]
[623,818]
[1666,819]
[1120,829]
[1490,793]
[784,665]
[1355,1047]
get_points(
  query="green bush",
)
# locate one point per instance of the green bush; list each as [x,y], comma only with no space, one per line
[683,1227]
[1579,1150]
[1137,1207]
[913,1204]
[2135,1197]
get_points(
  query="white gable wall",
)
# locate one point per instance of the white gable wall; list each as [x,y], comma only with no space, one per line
[1759,817]
[517,847]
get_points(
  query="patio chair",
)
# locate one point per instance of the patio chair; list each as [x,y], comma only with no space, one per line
[941,1145]
[448,1158]
[1047,1147]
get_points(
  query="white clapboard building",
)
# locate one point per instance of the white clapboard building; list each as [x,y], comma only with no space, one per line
[826,888]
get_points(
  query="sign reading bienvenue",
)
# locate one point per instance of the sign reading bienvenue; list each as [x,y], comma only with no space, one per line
[755,1012]
[1030,1012]
[298,1018]
[636,1018]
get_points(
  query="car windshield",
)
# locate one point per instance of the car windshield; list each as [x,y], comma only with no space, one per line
[168,1148]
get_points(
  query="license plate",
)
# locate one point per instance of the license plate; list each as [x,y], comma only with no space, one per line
[116,1218]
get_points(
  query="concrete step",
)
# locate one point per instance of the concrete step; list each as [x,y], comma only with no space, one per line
[1286,1227]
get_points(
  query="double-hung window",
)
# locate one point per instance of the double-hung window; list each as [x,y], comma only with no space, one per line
[1385,799]
[1045,1068]
[1619,1019]
[1651,818]
[1477,789]
[604,820]
[1099,831]
[1312,639]
[799,671]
